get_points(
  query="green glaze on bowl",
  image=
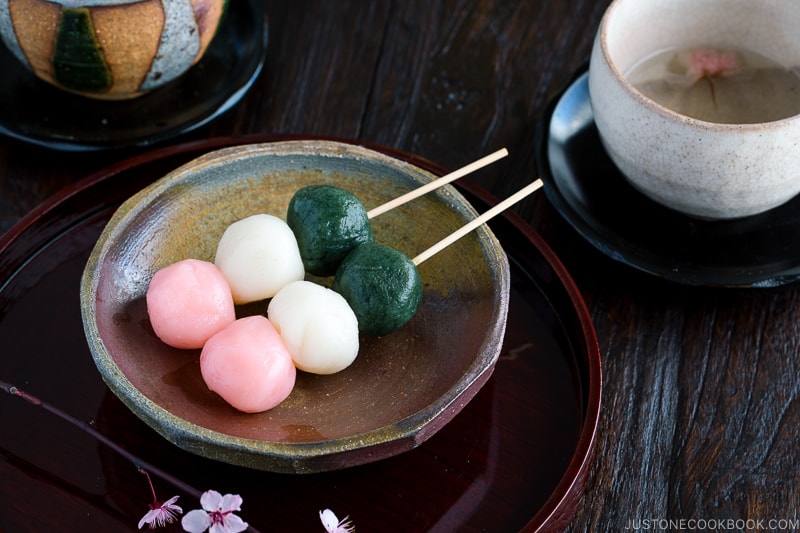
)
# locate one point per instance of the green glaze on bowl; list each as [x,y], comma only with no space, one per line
[78,62]
[403,386]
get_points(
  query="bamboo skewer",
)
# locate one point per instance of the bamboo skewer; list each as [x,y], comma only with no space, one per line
[435,184]
[477,221]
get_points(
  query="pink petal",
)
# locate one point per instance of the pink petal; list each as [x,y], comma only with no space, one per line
[231,502]
[332,524]
[231,524]
[329,520]
[169,505]
[196,521]
[710,62]
[149,518]
[234,524]
[211,500]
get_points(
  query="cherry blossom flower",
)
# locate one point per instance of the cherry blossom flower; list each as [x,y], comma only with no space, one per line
[216,516]
[160,513]
[708,62]
[334,525]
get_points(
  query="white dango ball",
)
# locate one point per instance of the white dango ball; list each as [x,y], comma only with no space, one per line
[258,255]
[248,365]
[317,325]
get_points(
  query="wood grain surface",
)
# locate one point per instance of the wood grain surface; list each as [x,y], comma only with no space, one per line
[701,416]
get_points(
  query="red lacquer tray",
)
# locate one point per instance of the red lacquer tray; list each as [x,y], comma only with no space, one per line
[515,459]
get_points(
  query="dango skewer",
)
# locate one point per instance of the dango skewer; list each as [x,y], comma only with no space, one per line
[437,183]
[478,221]
[365,299]
[383,286]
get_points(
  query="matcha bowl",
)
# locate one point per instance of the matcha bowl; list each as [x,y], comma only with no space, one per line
[403,386]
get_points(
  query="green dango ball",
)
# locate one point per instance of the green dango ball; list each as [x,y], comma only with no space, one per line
[382,286]
[328,222]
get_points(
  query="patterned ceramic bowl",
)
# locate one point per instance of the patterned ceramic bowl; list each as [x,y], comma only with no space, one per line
[109,49]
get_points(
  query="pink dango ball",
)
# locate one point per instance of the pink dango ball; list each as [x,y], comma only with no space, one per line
[188,302]
[248,365]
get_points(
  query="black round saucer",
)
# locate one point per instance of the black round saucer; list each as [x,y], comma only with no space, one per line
[589,191]
[33,111]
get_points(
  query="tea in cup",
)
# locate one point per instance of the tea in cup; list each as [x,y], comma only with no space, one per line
[697,102]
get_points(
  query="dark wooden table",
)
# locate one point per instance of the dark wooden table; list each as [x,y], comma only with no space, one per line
[701,412]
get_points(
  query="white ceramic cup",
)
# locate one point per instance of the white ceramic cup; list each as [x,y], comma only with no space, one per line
[704,169]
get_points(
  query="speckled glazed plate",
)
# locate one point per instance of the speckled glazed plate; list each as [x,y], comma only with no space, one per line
[403,386]
[35,112]
[515,458]
[585,186]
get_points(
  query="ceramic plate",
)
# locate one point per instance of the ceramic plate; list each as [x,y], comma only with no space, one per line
[33,111]
[589,191]
[516,458]
[403,386]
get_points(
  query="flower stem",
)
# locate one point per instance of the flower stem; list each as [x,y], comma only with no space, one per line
[88,428]
[150,482]
[713,91]
[142,466]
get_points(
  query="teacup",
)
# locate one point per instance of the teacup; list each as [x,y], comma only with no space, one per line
[109,49]
[703,168]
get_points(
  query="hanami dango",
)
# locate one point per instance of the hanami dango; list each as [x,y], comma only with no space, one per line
[317,325]
[248,365]
[382,286]
[188,302]
[258,256]
[328,222]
